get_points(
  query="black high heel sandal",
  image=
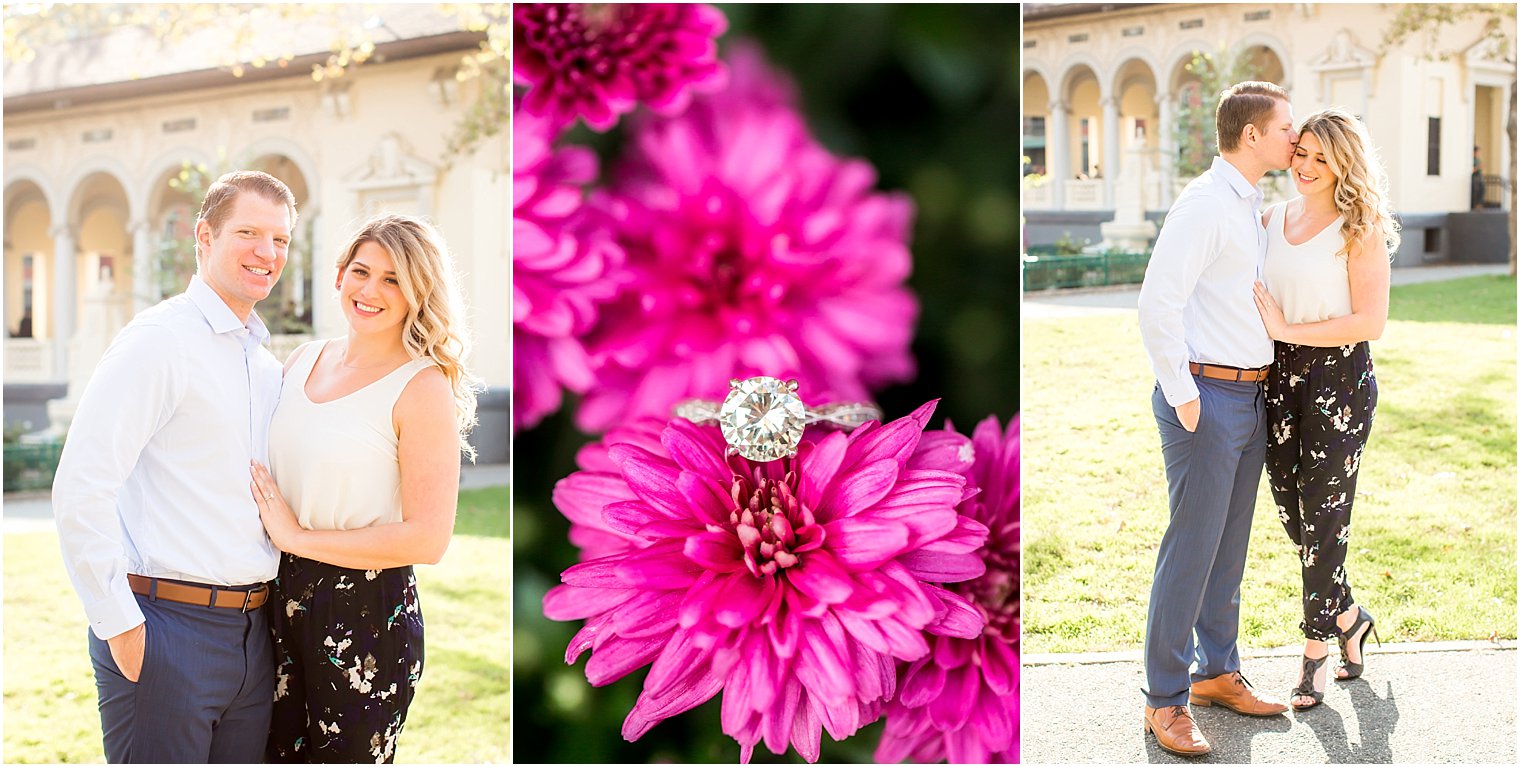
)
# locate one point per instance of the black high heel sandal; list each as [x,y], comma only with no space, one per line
[1354,670]
[1305,686]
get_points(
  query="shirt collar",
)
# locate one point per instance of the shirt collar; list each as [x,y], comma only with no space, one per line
[219,315]
[1235,178]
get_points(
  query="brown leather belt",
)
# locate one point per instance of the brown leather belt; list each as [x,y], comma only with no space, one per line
[1223,373]
[240,598]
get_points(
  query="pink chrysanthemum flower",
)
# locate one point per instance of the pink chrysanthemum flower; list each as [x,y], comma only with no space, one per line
[564,262]
[597,61]
[793,587]
[960,702]
[754,251]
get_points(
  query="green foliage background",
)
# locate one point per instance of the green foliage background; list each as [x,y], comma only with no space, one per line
[928,95]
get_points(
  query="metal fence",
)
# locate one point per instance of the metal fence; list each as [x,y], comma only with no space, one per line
[1493,193]
[30,467]
[1043,269]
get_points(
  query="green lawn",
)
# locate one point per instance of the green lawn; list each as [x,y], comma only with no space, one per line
[1433,533]
[462,706]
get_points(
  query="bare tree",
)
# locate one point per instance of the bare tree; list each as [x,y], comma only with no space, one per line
[1497,24]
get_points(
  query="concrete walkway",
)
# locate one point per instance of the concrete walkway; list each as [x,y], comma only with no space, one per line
[32,512]
[1416,703]
[1121,299]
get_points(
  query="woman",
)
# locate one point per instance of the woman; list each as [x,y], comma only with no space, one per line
[365,444]
[1326,296]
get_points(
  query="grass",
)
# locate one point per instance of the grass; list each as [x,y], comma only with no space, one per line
[462,706]
[1433,532]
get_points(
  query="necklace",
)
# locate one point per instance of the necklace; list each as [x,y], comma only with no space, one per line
[343,360]
[344,363]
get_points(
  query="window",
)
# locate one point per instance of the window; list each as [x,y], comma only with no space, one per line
[1433,148]
[24,325]
[1085,166]
[1034,144]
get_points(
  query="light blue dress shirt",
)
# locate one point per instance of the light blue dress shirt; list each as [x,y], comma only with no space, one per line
[154,474]
[1196,302]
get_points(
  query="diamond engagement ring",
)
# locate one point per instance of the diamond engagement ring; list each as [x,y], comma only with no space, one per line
[762,418]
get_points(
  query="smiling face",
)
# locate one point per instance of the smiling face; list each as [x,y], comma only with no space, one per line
[370,291]
[243,260]
[1311,173]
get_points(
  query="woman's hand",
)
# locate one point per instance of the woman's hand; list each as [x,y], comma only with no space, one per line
[1271,313]
[279,519]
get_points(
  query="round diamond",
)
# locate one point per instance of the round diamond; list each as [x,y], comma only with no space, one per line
[762,418]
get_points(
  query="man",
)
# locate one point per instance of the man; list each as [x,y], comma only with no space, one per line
[1210,353]
[159,530]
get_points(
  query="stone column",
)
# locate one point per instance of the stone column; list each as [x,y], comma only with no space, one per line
[1057,154]
[65,298]
[144,270]
[1111,159]
[1168,143]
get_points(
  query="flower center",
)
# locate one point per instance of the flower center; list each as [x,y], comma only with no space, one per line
[773,526]
[598,18]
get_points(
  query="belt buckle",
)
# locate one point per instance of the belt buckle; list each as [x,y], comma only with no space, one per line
[263,588]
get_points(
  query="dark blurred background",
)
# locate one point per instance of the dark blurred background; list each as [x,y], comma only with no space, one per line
[927,94]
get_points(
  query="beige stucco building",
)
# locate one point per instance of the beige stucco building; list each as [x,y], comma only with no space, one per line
[1101,87]
[97,130]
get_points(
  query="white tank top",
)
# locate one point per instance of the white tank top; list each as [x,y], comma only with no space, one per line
[335,462]
[1309,281]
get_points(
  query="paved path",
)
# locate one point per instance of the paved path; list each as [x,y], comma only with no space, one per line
[31,512]
[1445,702]
[1121,299]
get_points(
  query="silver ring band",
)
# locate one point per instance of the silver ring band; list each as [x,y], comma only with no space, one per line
[848,415]
[762,418]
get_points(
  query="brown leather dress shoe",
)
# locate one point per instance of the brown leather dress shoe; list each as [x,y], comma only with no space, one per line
[1233,692]
[1176,731]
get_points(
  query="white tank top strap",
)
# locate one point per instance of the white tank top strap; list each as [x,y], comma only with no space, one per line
[310,352]
[388,390]
[1276,219]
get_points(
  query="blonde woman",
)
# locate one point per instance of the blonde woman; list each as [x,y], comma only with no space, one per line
[1325,297]
[365,444]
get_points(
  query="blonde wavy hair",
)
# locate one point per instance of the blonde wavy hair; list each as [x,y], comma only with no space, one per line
[434,327]
[1361,185]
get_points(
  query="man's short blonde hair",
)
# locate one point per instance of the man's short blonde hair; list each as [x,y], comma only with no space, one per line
[1242,104]
[224,192]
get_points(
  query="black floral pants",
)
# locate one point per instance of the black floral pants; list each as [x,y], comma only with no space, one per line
[1320,402]
[348,649]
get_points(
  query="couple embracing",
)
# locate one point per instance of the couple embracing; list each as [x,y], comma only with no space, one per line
[233,619]
[1256,324]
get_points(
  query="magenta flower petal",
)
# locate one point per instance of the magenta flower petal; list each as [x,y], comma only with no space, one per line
[598,61]
[960,703]
[753,251]
[564,265]
[864,544]
[799,622]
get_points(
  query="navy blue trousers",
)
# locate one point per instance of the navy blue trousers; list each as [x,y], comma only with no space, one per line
[1212,475]
[205,693]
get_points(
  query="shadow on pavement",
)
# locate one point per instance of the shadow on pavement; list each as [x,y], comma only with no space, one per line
[1376,718]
